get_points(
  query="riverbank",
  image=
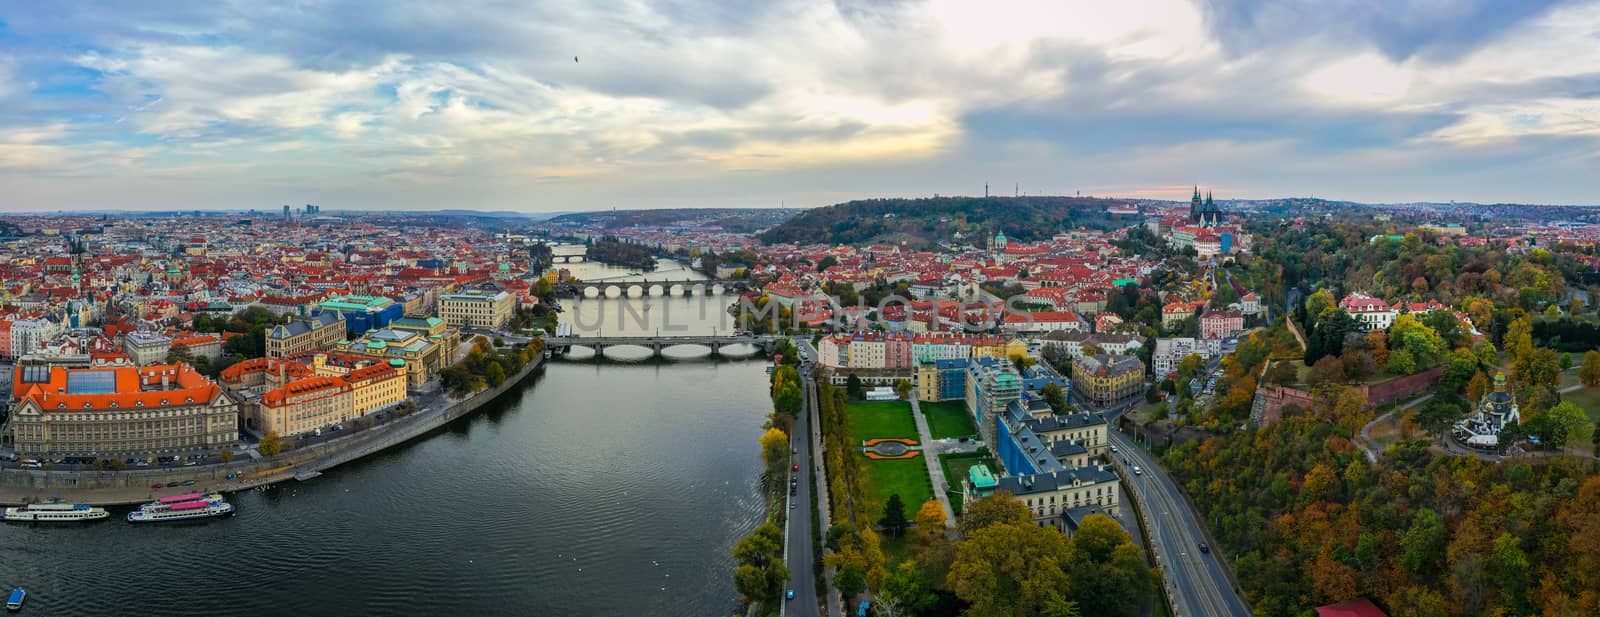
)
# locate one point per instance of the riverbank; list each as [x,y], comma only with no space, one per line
[111,488]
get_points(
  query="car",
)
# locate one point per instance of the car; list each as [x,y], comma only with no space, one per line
[1113,449]
[789,595]
[797,467]
[1137,471]
[791,505]
[1204,548]
[158,485]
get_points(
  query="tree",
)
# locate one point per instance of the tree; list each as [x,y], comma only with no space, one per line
[1108,573]
[998,509]
[1424,544]
[1054,397]
[1283,373]
[1401,362]
[894,516]
[761,572]
[1589,371]
[1518,340]
[270,444]
[902,388]
[494,375]
[1012,569]
[1477,387]
[907,588]
[827,262]
[854,388]
[1326,372]
[1539,366]
[179,353]
[1569,424]
[787,398]
[934,551]
[775,451]
[227,456]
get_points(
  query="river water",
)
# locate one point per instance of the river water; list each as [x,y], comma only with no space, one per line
[613,487]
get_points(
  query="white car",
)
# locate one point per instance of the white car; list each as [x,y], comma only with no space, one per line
[1137,471]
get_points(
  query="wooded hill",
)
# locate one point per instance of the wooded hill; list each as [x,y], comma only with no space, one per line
[933,219]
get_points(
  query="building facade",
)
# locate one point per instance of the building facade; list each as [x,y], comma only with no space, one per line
[119,412]
[317,333]
[489,310]
[1105,378]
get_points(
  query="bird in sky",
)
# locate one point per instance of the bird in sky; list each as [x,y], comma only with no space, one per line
[574,59]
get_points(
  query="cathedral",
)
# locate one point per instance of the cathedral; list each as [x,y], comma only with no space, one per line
[1204,213]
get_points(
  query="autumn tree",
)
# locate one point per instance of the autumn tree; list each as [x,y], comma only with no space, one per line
[997,509]
[933,551]
[1326,372]
[1011,568]
[270,444]
[1589,371]
[775,451]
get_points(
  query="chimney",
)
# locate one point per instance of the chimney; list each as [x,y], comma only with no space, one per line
[163,380]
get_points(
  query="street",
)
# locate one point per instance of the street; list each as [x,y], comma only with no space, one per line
[1197,583]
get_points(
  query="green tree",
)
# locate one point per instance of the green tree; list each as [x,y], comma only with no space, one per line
[270,444]
[1570,425]
[1054,397]
[1401,362]
[827,262]
[894,517]
[907,588]
[854,388]
[902,389]
[179,353]
[1424,544]
[1109,576]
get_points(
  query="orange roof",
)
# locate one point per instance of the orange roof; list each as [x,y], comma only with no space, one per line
[132,388]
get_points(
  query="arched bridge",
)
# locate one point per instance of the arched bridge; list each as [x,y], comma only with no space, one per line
[559,345]
[612,289]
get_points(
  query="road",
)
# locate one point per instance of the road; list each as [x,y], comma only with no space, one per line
[1197,583]
[800,555]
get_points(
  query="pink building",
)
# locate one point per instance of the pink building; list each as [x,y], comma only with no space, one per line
[1221,324]
[5,339]
[897,350]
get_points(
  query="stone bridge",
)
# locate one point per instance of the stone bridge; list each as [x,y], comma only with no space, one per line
[559,345]
[613,289]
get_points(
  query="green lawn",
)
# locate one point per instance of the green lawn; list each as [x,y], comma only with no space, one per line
[955,472]
[948,419]
[876,419]
[907,478]
[1587,398]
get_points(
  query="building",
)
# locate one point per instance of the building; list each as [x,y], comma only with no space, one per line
[1173,314]
[435,329]
[1250,304]
[1103,378]
[489,310]
[119,412]
[1370,312]
[942,380]
[1074,344]
[1360,607]
[362,313]
[1170,351]
[1221,324]
[316,333]
[1495,410]
[208,346]
[302,406]
[991,385]
[1054,496]
[1044,321]
[313,390]
[423,356]
[147,348]
[1204,213]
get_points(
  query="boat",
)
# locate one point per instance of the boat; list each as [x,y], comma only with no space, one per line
[54,513]
[197,506]
[14,603]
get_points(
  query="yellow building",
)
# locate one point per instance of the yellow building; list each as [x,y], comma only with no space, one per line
[998,347]
[302,406]
[423,355]
[1106,378]
[313,390]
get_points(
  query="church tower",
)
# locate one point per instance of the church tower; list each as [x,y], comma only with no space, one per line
[1194,206]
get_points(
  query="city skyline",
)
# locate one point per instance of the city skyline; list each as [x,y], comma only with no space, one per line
[574,106]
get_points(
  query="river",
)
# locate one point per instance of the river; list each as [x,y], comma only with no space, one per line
[602,488]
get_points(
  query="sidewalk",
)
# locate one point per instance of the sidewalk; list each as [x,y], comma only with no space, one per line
[931,458]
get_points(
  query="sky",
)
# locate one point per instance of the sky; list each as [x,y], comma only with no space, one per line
[593,104]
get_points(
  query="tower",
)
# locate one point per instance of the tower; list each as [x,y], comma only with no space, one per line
[1194,206]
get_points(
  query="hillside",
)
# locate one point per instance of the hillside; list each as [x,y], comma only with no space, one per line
[939,218]
[735,220]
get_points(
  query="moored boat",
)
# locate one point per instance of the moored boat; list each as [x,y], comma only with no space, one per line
[182,507]
[54,513]
[14,602]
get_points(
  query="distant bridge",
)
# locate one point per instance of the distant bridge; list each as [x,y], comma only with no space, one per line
[559,345]
[604,288]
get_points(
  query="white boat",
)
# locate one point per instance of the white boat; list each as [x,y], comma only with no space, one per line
[54,513]
[164,511]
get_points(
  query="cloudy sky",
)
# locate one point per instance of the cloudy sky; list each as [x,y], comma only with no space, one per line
[396,105]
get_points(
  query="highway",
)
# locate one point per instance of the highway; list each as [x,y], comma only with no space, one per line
[799,554]
[1197,582]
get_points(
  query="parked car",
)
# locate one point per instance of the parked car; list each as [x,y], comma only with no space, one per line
[157,485]
[797,467]
[789,595]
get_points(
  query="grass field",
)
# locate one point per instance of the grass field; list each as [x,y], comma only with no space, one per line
[948,419]
[907,478]
[1587,398]
[955,472]
[871,420]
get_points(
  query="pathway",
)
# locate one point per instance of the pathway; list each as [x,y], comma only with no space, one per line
[931,458]
[1365,443]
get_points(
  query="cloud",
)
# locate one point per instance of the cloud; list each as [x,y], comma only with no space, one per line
[396,104]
